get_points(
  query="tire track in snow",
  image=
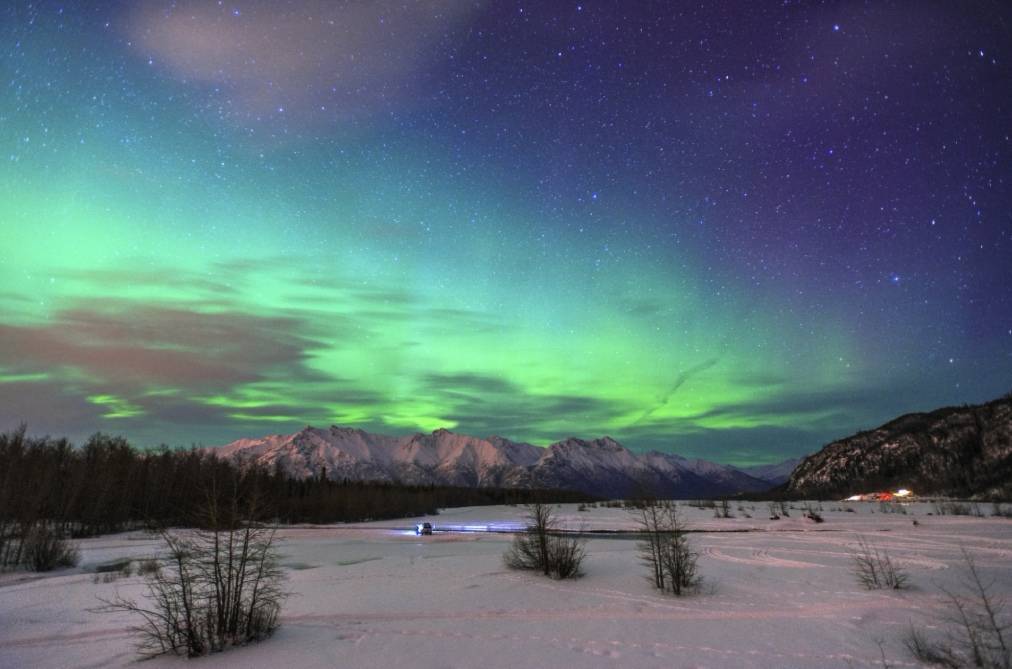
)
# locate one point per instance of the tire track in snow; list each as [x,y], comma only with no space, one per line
[760,557]
[618,649]
[86,637]
[804,611]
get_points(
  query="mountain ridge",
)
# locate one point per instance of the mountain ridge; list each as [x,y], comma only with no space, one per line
[602,467]
[960,451]
[776,473]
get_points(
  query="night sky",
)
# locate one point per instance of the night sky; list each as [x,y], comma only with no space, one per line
[729,230]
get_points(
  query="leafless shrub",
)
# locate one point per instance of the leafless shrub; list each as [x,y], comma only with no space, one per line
[45,549]
[524,553]
[929,652]
[1000,511]
[665,549]
[543,547]
[10,544]
[875,570]
[883,659]
[722,509]
[148,566]
[565,556]
[892,507]
[220,586]
[978,629]
[813,514]
[953,508]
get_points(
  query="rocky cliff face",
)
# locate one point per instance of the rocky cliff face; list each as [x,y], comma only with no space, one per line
[601,467]
[958,451]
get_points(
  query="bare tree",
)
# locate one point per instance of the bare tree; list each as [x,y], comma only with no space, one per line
[875,570]
[665,550]
[221,586]
[652,521]
[978,628]
[44,549]
[543,547]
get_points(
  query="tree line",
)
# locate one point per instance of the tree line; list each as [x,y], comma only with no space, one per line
[106,485]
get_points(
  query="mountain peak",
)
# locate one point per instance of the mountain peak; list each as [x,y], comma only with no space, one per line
[599,466]
[341,429]
[601,443]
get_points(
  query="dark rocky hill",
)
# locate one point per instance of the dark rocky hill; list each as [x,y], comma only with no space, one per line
[958,451]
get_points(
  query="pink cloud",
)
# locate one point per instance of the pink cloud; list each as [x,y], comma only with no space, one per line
[144,345]
[318,61]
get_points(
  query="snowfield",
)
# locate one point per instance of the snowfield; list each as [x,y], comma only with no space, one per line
[375,595]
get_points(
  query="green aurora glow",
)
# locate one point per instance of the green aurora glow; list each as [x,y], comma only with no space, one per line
[174,276]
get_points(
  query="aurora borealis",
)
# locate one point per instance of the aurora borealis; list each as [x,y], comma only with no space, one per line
[735,230]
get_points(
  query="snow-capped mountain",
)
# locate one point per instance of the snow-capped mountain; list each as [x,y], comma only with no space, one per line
[601,467]
[776,474]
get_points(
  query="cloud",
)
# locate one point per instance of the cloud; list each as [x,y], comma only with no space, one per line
[741,446]
[316,61]
[473,385]
[160,277]
[115,406]
[194,362]
[839,408]
[47,407]
[679,381]
[125,343]
[486,404]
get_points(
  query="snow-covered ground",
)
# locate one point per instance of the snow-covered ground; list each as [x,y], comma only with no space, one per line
[373,595]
